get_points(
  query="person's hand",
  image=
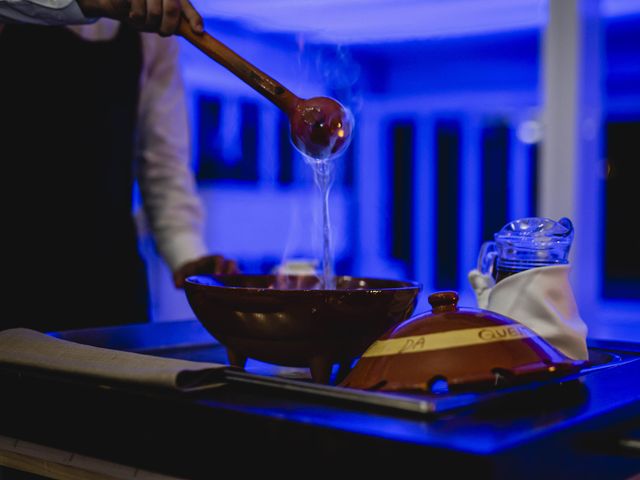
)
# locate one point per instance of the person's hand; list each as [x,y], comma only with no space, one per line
[161,16]
[211,265]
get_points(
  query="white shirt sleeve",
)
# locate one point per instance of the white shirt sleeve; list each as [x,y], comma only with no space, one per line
[171,203]
[42,12]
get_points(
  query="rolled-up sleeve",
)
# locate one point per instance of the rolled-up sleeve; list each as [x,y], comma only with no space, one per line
[42,12]
[171,203]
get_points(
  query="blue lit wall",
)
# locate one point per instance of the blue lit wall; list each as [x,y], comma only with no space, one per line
[445,152]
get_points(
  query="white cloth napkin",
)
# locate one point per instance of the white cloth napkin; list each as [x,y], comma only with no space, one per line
[24,348]
[541,299]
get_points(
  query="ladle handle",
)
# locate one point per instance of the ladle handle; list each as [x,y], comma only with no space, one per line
[254,77]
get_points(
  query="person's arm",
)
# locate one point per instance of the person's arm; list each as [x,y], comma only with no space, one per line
[172,205]
[42,12]
[161,16]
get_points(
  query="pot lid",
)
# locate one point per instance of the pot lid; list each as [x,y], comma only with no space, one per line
[454,348]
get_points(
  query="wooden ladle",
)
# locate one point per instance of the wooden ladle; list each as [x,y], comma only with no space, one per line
[320,126]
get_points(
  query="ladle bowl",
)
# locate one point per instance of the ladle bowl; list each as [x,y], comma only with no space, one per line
[321,127]
[315,329]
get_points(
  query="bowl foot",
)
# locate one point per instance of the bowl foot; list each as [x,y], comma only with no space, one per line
[235,359]
[320,369]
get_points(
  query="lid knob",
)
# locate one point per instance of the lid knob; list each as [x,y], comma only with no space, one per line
[444,301]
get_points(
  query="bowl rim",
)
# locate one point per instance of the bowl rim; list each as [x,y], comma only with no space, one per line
[408,285]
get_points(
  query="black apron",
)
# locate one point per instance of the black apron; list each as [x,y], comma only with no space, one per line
[67,128]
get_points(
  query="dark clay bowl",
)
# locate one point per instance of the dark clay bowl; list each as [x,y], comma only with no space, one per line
[302,327]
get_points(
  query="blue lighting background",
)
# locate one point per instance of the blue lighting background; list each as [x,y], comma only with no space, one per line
[445,153]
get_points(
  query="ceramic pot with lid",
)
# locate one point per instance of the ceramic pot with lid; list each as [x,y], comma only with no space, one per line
[460,348]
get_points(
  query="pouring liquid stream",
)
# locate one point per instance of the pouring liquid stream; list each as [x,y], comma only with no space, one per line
[323,177]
